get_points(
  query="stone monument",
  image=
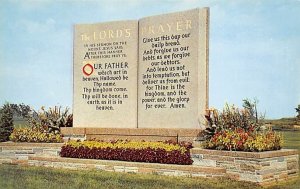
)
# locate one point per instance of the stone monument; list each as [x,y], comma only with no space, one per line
[139,79]
[173,70]
[105,75]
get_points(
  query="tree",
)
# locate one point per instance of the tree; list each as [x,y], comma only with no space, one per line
[298,111]
[6,122]
[20,110]
[251,107]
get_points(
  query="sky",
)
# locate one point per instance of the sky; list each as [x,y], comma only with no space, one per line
[254,48]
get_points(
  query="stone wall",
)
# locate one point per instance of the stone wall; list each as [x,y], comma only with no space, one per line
[19,153]
[259,167]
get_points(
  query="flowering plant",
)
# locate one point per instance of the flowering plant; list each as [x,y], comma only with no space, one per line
[34,135]
[152,152]
[239,129]
[241,140]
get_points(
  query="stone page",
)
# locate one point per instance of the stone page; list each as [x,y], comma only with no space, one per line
[173,70]
[105,75]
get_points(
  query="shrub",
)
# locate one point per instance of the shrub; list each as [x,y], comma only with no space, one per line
[51,120]
[34,135]
[6,122]
[152,152]
[232,117]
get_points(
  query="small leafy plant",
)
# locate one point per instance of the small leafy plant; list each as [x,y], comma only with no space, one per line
[152,152]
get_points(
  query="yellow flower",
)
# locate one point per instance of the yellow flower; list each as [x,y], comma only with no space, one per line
[128,145]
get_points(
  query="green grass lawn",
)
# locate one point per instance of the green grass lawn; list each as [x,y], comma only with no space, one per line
[291,139]
[37,177]
[14,176]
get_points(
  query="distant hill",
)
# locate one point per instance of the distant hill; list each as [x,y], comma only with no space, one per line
[290,123]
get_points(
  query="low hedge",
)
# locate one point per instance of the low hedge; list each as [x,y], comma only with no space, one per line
[151,152]
[34,135]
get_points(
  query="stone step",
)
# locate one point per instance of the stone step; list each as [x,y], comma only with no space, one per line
[30,145]
[123,166]
[49,152]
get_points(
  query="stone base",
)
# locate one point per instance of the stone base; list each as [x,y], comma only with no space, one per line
[263,168]
[47,155]
[137,134]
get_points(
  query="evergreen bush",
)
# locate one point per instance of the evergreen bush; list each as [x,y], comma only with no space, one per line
[6,122]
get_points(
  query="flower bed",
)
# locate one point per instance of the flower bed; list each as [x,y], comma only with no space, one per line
[240,140]
[151,152]
[239,130]
[34,135]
